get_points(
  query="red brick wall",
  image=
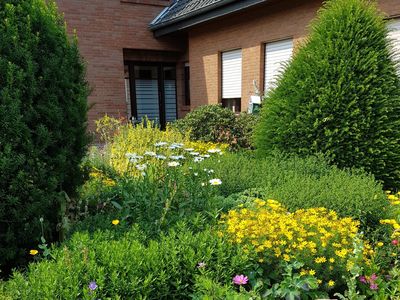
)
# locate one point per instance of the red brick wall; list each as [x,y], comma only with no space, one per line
[104,29]
[249,31]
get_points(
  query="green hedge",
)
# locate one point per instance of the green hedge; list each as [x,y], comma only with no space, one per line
[303,183]
[126,268]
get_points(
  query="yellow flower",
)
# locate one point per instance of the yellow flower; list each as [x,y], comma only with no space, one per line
[379,244]
[115,222]
[331,283]
[319,281]
[332,260]
[311,272]
[33,252]
[286,257]
[320,260]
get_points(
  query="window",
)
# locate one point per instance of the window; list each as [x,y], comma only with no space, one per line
[277,54]
[232,79]
[394,36]
[187,84]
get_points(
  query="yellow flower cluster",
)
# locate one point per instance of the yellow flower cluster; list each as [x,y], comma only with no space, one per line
[394,201]
[316,236]
[99,175]
[204,147]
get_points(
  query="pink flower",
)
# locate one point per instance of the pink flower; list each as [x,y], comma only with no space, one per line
[395,242]
[373,277]
[373,286]
[363,279]
[240,280]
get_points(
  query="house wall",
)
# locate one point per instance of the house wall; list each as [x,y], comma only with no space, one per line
[249,31]
[105,28]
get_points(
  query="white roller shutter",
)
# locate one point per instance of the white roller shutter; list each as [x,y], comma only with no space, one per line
[394,36]
[232,74]
[276,55]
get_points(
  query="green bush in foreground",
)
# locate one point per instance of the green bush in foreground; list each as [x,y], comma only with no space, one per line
[340,95]
[42,123]
[303,183]
[126,268]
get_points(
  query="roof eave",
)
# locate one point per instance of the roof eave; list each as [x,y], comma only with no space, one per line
[202,16]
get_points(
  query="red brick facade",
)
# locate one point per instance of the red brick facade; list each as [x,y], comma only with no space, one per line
[111,31]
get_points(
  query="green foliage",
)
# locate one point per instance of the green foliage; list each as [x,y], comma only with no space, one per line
[126,268]
[340,95]
[213,123]
[245,126]
[156,200]
[42,123]
[302,183]
[207,289]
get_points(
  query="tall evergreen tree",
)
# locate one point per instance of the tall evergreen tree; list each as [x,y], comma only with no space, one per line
[340,95]
[43,108]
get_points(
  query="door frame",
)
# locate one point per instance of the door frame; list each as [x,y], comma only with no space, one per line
[161,92]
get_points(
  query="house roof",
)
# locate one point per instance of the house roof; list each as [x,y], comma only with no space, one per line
[182,14]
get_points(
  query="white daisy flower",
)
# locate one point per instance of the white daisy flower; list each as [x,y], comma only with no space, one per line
[177,157]
[198,159]
[141,167]
[205,156]
[173,164]
[210,171]
[194,153]
[160,144]
[150,153]
[215,181]
[214,151]
[189,149]
[133,157]
[159,156]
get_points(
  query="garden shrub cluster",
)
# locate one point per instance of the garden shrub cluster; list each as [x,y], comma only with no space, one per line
[340,95]
[43,123]
[301,183]
[214,123]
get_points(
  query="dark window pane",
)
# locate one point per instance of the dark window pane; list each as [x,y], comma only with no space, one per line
[187,85]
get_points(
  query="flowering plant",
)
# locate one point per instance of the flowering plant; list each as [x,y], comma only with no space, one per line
[316,237]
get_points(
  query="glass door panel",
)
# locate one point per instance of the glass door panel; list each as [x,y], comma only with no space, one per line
[147,93]
[169,73]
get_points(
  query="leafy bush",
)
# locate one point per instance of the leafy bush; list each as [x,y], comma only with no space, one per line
[302,183]
[340,95]
[43,123]
[159,270]
[317,238]
[213,123]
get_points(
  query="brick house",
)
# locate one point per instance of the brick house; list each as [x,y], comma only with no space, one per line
[162,58]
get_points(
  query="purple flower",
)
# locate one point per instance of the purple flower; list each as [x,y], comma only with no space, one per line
[363,279]
[92,285]
[373,277]
[240,280]
[373,286]
[201,265]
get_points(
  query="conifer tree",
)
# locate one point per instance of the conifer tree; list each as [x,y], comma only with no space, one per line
[340,95]
[43,108]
